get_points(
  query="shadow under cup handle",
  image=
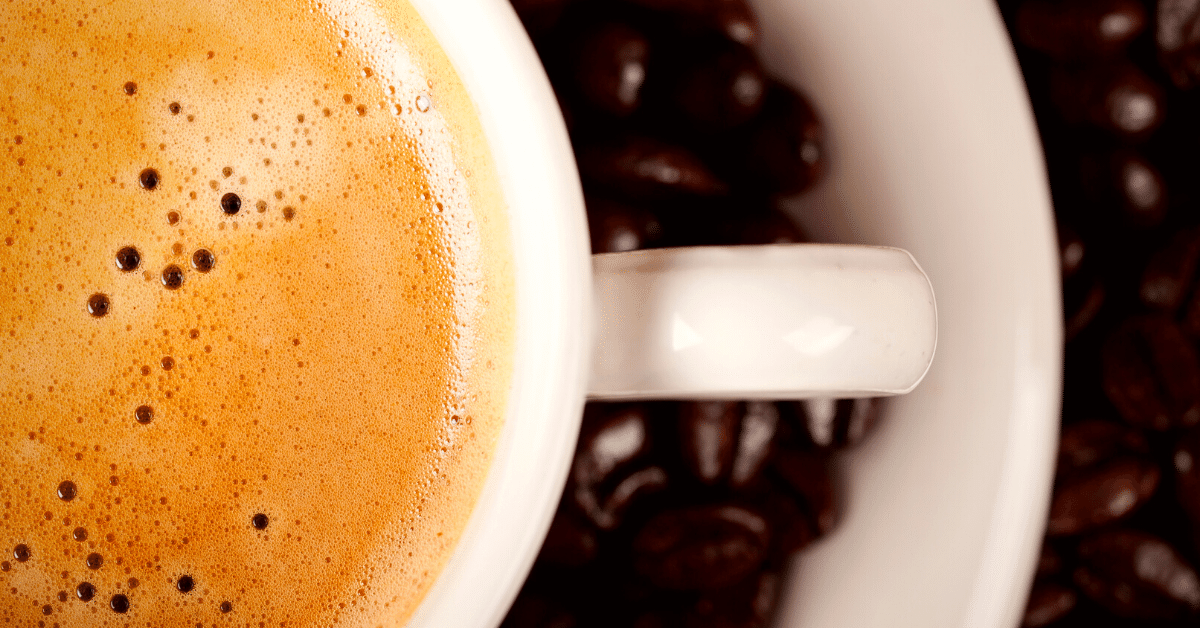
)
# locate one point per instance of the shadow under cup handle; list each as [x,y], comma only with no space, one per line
[781,321]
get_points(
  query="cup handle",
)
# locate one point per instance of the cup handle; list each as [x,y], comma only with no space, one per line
[780,321]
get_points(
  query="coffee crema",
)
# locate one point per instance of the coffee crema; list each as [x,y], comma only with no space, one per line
[256,313]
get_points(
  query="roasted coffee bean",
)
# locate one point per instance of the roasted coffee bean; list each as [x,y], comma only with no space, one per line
[1078,29]
[1137,575]
[1167,278]
[1126,182]
[570,541]
[807,473]
[791,528]
[760,420]
[721,89]
[785,151]
[612,437]
[1119,98]
[643,167]
[536,611]
[1048,602]
[836,422]
[1049,563]
[1101,495]
[539,16]
[611,69]
[707,547]
[1084,444]
[1178,38]
[733,18]
[708,432]
[1151,374]
[747,604]
[1186,461]
[617,227]
[1083,299]
[606,511]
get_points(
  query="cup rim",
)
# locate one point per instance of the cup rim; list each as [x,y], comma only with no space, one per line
[532,153]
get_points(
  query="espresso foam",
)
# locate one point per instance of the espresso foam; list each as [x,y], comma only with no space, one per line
[255,313]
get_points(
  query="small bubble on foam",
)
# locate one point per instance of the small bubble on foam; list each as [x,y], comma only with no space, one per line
[62,596]
[22,553]
[133,583]
[423,103]
[167,363]
[226,607]
[47,609]
[94,561]
[5,566]
[173,218]
[347,98]
[172,277]
[128,259]
[203,260]
[231,203]
[149,178]
[261,206]
[289,213]
[143,415]
[174,108]
[67,490]
[98,305]
[260,521]
[300,118]
[130,88]
[119,603]
[185,584]
[326,112]
[85,591]
[80,534]
[361,109]
[226,172]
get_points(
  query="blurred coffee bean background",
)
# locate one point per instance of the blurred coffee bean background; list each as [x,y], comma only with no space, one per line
[685,514]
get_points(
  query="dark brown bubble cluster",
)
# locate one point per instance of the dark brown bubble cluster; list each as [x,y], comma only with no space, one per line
[128,259]
[172,277]
[98,304]
[203,260]
[231,203]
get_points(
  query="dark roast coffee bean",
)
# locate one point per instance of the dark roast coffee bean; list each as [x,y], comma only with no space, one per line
[570,541]
[605,510]
[612,68]
[1083,298]
[747,604]
[1077,29]
[1185,460]
[1085,444]
[531,610]
[760,420]
[807,473]
[837,422]
[1137,575]
[1126,182]
[1151,374]
[616,227]
[1101,495]
[1178,38]
[611,438]
[1167,278]
[722,89]
[705,547]
[733,18]
[643,167]
[1118,98]
[1048,602]
[791,528]
[708,432]
[1049,563]
[539,16]
[785,150]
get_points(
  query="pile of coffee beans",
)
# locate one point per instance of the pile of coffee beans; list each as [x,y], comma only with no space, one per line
[682,513]
[1113,85]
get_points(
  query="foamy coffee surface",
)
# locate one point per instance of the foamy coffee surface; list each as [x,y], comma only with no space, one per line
[255,313]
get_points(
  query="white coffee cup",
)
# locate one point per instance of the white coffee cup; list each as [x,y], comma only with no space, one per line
[502,73]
